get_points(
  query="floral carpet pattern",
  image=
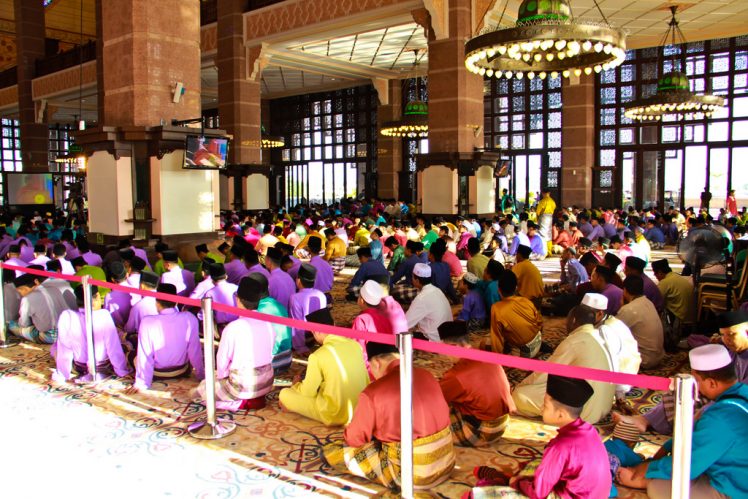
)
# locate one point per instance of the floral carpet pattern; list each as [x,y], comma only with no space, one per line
[97,441]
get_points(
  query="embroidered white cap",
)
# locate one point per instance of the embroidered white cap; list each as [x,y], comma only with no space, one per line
[372,293]
[422,270]
[709,357]
[596,301]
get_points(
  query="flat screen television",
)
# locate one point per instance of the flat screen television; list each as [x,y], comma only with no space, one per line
[29,189]
[206,153]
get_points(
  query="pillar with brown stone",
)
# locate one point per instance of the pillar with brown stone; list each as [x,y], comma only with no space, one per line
[145,50]
[240,104]
[389,149]
[455,110]
[578,140]
[30,40]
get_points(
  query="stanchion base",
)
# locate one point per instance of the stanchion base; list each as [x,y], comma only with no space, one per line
[204,431]
[10,341]
[87,379]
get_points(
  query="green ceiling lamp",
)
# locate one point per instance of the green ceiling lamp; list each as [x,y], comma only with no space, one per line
[546,41]
[674,97]
[415,120]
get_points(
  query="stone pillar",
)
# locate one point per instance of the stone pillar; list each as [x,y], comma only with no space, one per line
[145,49]
[389,149]
[148,47]
[30,36]
[239,102]
[455,107]
[578,140]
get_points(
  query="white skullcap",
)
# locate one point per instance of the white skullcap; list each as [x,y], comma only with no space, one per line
[422,270]
[321,223]
[470,277]
[372,292]
[709,357]
[496,227]
[467,224]
[596,301]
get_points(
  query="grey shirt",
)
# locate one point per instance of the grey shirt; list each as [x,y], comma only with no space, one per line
[41,308]
[641,316]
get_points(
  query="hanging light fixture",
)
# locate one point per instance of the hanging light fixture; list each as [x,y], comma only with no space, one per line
[415,120]
[674,96]
[546,41]
[271,141]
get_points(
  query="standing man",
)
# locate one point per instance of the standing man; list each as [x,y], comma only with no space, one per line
[545,209]
[731,204]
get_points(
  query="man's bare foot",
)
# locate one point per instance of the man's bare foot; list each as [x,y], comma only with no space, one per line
[639,422]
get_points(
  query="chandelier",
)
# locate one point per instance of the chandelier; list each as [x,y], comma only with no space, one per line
[414,122]
[271,141]
[546,41]
[674,96]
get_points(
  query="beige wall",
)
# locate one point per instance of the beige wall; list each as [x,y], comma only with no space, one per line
[258,192]
[184,201]
[109,194]
[439,188]
[226,191]
[482,191]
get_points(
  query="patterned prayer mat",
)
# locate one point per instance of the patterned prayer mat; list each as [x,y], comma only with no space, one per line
[101,441]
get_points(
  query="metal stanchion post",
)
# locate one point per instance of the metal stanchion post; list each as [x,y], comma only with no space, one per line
[211,428]
[5,340]
[92,376]
[685,391]
[405,346]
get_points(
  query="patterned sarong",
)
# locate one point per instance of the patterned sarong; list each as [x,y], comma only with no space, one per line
[282,361]
[104,367]
[505,491]
[242,385]
[404,293]
[171,372]
[337,264]
[471,432]
[433,460]
[30,333]
[532,348]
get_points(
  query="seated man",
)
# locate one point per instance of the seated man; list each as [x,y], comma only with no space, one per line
[440,272]
[222,292]
[168,343]
[733,333]
[430,307]
[146,306]
[369,268]
[478,393]
[601,281]
[280,284]
[38,312]
[402,283]
[583,347]
[182,279]
[515,322]
[477,262]
[335,250]
[473,310]
[720,435]
[304,302]
[244,371]
[641,317]
[371,445]
[538,245]
[118,302]
[325,276]
[529,280]
[635,266]
[265,304]
[574,463]
[70,350]
[334,379]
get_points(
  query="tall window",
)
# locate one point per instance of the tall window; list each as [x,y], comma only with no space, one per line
[523,118]
[10,152]
[672,162]
[413,89]
[331,144]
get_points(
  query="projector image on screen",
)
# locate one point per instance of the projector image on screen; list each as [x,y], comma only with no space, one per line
[30,188]
[206,152]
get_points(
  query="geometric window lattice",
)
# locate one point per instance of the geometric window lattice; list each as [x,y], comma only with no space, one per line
[606,178]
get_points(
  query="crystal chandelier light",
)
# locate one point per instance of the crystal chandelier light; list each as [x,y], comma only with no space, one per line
[674,96]
[546,41]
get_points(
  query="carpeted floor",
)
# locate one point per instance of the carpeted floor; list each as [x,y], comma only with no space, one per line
[100,441]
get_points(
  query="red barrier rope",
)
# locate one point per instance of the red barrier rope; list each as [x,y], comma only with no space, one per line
[640,380]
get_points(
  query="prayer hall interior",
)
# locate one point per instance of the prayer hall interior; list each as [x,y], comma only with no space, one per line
[309,181]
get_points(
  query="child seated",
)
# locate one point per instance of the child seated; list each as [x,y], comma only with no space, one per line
[574,463]
[473,307]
